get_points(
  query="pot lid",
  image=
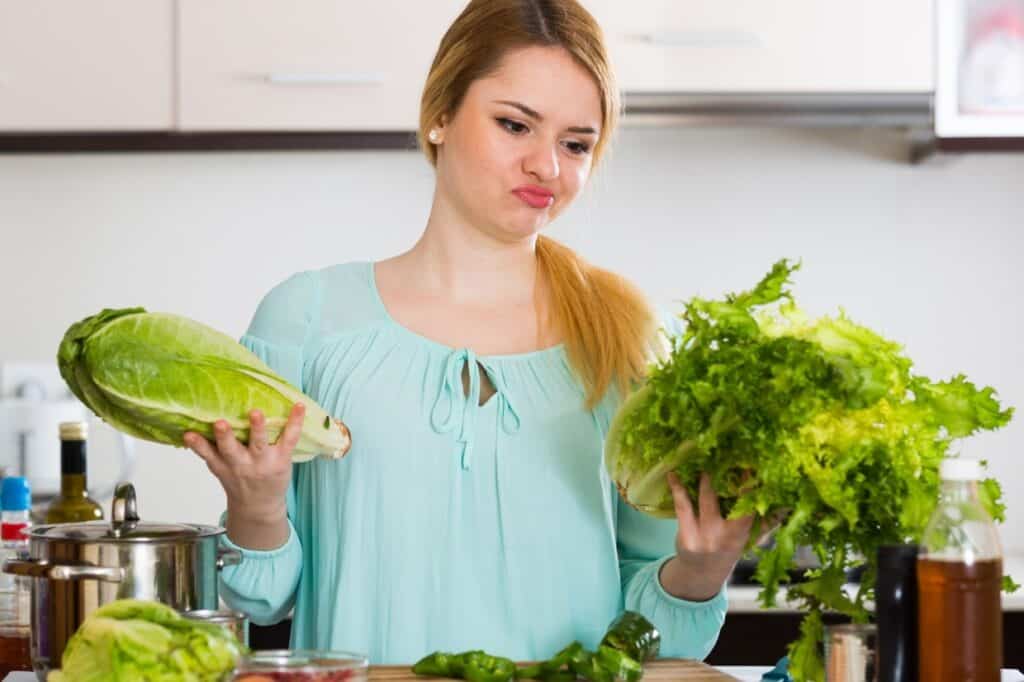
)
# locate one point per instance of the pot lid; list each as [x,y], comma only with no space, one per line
[124,526]
[101,531]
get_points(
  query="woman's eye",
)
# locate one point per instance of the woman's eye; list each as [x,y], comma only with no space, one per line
[514,127]
[577,148]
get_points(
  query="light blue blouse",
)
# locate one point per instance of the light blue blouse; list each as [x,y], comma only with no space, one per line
[449,525]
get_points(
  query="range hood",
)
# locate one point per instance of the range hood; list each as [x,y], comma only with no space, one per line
[910,113]
[903,110]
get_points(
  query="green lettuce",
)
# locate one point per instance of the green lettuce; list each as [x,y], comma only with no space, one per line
[130,640]
[819,421]
[155,376]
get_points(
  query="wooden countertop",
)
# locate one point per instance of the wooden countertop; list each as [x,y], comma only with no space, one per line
[662,670]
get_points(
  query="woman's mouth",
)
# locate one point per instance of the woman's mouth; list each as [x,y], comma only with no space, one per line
[534,196]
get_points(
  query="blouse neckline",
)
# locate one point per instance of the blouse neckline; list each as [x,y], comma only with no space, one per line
[371,276]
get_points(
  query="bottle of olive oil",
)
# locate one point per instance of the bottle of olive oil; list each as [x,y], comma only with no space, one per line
[73,504]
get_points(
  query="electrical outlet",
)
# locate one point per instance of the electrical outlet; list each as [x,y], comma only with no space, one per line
[38,380]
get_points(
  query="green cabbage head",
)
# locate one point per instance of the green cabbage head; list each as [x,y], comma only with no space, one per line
[155,376]
[130,640]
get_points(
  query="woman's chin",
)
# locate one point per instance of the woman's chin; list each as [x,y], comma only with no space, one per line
[521,227]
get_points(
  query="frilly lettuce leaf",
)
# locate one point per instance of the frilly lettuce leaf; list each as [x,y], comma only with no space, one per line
[822,420]
[129,640]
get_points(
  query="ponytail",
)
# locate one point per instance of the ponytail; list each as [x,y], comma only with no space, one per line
[609,330]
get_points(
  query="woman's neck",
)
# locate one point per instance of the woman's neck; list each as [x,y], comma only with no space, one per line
[464,265]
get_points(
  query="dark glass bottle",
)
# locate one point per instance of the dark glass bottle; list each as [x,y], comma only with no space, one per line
[896,613]
[73,504]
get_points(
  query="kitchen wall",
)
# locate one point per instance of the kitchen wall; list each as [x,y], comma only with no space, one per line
[927,254]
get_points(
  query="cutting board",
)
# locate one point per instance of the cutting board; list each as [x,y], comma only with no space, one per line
[662,670]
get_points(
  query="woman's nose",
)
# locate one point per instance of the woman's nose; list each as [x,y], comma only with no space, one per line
[542,161]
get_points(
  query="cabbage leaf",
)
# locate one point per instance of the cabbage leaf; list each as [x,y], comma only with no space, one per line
[130,640]
[155,376]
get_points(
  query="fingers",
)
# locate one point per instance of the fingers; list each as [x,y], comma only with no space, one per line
[769,524]
[227,444]
[683,504]
[205,450]
[292,429]
[258,431]
[708,501]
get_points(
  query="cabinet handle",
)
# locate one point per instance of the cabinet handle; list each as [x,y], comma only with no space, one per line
[710,38]
[290,78]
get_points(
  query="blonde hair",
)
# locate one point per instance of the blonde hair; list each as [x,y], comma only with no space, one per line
[607,327]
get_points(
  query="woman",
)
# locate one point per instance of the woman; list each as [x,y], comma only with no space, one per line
[478,373]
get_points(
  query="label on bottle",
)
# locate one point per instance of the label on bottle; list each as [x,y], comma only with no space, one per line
[14,531]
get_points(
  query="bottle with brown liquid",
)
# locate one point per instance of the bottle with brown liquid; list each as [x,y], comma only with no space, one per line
[73,504]
[959,577]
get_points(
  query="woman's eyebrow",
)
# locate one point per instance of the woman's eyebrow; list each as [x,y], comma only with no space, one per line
[530,113]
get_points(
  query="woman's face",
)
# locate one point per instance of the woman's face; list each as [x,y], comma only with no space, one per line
[519,149]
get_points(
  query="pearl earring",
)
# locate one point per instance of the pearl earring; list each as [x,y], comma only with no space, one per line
[434,136]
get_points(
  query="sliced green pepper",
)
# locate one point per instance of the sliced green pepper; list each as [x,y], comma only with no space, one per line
[608,664]
[459,661]
[552,669]
[562,658]
[583,665]
[482,667]
[621,667]
[633,635]
[438,664]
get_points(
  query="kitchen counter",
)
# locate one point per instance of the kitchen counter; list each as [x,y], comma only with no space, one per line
[743,598]
[741,673]
[659,671]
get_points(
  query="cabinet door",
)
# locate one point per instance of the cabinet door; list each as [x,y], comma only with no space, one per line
[99,65]
[781,46]
[310,65]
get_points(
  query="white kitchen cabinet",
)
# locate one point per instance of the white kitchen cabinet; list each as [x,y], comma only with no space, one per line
[770,46]
[248,65]
[100,65]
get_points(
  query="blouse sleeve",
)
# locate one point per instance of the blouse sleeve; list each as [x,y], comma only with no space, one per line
[688,629]
[263,584]
[645,543]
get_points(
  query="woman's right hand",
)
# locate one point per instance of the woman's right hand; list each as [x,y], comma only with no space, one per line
[255,478]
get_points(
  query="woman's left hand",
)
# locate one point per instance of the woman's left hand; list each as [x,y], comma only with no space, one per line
[707,545]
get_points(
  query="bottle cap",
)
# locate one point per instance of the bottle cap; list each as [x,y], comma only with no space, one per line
[896,559]
[960,469]
[74,430]
[15,494]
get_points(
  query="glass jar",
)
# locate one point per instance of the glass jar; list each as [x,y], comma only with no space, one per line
[288,665]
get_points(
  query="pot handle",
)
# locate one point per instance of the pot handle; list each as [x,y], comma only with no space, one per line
[44,569]
[228,557]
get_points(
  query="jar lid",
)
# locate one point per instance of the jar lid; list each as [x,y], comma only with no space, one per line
[100,531]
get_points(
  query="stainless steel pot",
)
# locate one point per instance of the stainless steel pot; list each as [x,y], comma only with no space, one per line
[78,567]
[233,621]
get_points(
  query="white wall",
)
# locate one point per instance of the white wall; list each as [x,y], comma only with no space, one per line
[926,254]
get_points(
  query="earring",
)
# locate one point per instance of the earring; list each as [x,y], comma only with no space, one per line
[434,136]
